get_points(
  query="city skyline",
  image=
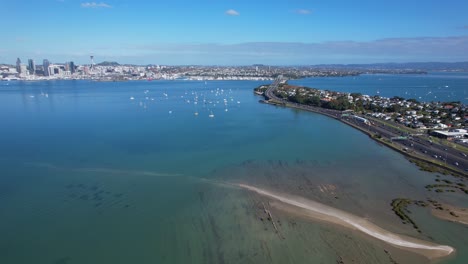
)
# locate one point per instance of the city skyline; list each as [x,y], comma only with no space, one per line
[235,32]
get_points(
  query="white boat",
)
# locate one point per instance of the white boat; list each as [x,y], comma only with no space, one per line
[211,115]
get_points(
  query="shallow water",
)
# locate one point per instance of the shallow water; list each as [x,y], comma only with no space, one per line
[88,175]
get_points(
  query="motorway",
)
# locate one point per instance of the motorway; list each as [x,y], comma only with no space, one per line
[418,146]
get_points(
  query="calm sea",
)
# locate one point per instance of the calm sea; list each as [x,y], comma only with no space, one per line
[434,86]
[132,172]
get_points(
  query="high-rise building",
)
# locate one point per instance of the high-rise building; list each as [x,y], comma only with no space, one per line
[18,65]
[45,65]
[71,66]
[31,66]
[24,70]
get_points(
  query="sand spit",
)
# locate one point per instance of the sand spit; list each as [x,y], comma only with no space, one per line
[323,212]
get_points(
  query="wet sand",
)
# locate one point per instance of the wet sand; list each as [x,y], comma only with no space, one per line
[326,213]
[452,213]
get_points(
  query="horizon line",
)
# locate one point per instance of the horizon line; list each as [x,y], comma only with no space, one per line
[259,64]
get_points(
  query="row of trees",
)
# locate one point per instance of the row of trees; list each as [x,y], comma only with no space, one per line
[312,98]
[341,103]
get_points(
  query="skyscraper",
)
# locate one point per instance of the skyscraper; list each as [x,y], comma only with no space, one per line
[72,67]
[31,66]
[45,65]
[18,65]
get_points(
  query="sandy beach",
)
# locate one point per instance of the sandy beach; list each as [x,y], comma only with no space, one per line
[318,211]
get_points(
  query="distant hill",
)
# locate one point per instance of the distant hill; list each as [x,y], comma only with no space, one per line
[427,66]
[108,63]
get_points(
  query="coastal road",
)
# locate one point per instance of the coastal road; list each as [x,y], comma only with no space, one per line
[413,145]
[425,146]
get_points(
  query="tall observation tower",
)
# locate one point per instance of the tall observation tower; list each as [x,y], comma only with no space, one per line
[91,67]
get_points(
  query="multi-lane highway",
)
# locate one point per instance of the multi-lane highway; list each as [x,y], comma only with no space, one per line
[418,146]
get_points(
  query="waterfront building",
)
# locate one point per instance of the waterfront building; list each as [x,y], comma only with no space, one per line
[50,70]
[71,67]
[24,70]
[31,66]
[45,65]
[18,65]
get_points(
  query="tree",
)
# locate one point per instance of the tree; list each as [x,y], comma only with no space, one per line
[424,120]
[314,101]
[358,106]
[394,108]
[341,103]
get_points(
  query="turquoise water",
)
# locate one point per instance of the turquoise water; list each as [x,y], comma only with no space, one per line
[89,175]
[434,86]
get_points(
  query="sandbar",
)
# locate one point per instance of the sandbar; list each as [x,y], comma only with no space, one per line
[452,213]
[324,212]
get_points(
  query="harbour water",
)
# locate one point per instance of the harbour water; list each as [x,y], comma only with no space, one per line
[134,172]
[434,86]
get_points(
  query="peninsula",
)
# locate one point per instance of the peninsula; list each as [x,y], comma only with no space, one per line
[432,135]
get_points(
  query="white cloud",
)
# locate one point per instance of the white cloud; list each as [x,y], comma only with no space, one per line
[303,11]
[418,49]
[95,5]
[380,50]
[232,12]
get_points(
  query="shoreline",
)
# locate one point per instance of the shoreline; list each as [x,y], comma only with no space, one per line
[205,77]
[271,99]
[451,213]
[318,211]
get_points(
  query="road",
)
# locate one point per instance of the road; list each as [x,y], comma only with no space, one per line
[419,146]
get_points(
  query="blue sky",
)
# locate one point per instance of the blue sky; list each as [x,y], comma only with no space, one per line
[234,32]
